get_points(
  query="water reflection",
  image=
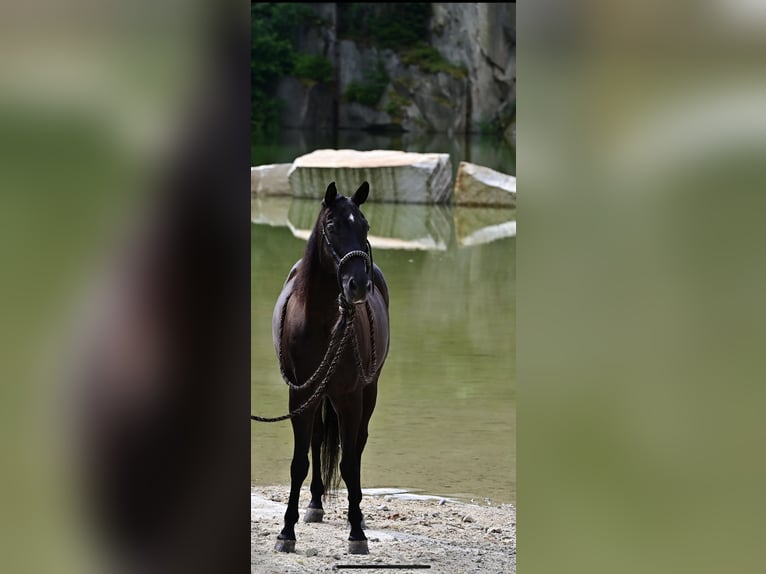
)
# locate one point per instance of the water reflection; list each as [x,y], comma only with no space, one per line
[445,419]
[399,226]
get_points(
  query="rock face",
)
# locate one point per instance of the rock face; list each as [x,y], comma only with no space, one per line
[479,185]
[428,102]
[394,176]
[307,105]
[270,180]
[413,101]
[476,92]
[481,37]
[354,63]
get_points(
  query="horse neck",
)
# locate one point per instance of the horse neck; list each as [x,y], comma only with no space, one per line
[321,296]
[319,288]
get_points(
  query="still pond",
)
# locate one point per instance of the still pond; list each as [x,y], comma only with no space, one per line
[445,421]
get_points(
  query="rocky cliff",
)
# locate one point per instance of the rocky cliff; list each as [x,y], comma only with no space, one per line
[482,38]
[460,78]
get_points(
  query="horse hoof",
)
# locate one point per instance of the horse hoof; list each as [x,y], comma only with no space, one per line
[358,547]
[285,546]
[313,515]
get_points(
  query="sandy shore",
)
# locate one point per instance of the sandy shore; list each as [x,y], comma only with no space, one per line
[451,537]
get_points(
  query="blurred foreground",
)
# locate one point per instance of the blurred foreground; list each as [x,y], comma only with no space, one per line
[125,353]
[641,281]
[642,130]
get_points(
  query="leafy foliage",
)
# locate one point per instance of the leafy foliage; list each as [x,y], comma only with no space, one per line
[312,67]
[371,89]
[396,105]
[430,60]
[283,19]
[498,124]
[275,30]
[391,25]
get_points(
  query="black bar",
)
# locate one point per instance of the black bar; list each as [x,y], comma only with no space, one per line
[390,566]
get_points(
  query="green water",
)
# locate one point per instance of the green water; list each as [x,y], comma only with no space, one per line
[445,418]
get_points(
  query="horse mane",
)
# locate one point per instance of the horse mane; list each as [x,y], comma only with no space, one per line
[309,262]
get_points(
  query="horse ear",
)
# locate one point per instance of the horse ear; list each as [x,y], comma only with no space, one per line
[360,196]
[330,194]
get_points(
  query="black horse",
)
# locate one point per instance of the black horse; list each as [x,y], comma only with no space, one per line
[331,335]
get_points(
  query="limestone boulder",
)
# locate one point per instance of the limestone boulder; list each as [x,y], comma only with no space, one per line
[394,176]
[479,185]
[270,180]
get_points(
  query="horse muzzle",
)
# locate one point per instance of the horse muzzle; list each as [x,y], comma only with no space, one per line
[355,291]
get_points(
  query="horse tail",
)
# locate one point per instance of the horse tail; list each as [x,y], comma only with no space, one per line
[330,449]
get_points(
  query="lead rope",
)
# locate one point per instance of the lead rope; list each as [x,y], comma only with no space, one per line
[367,379]
[346,313]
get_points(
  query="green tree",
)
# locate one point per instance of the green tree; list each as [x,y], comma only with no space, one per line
[275,30]
[392,25]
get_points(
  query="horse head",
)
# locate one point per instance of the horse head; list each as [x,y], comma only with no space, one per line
[344,245]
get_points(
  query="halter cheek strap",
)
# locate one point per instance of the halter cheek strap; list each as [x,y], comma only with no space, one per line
[367,256]
[372,276]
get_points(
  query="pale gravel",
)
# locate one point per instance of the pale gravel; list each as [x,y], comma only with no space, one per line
[452,537]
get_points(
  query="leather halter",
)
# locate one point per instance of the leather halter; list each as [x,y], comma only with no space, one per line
[339,261]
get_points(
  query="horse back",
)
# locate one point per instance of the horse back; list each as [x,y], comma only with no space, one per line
[379,303]
[287,289]
[380,283]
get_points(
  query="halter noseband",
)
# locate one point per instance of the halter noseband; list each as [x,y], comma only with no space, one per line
[366,255]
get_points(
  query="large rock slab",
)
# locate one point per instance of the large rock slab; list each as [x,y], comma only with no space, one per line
[270,180]
[479,185]
[394,176]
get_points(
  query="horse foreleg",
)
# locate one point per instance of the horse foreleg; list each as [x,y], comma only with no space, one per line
[299,469]
[368,405]
[315,512]
[350,471]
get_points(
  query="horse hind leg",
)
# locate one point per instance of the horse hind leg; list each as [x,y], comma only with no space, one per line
[315,512]
[298,470]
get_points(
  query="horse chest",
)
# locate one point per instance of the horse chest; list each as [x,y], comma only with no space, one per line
[308,346]
[308,339]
